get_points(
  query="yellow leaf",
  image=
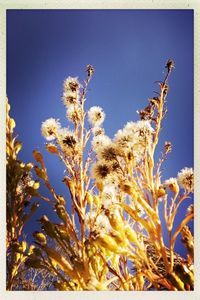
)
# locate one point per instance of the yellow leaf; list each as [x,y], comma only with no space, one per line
[60,261]
[130,234]
[24,245]
[40,237]
[18,147]
[14,270]
[12,123]
[109,243]
[7,106]
[17,256]
[89,198]
[31,249]
[96,200]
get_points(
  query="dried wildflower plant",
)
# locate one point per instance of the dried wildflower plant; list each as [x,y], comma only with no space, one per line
[21,188]
[113,237]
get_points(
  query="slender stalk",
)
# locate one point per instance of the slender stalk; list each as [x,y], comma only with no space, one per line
[180,227]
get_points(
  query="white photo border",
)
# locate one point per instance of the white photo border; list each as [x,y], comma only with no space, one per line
[98,4]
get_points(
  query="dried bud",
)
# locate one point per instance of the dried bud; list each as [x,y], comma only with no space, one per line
[155,101]
[38,157]
[48,227]
[165,88]
[161,192]
[172,184]
[70,185]
[40,173]
[169,65]
[168,147]
[90,70]
[52,148]
[148,112]
[61,200]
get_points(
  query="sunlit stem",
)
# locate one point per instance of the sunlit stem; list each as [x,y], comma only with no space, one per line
[180,227]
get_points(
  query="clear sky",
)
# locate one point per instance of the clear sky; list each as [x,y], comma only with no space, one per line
[128,49]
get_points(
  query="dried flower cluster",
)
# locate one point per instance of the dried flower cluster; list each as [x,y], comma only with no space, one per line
[21,188]
[113,237]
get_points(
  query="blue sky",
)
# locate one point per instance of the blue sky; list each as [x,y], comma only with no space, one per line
[128,49]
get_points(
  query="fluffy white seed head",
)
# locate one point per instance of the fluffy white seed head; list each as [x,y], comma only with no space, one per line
[186,179]
[100,170]
[109,195]
[74,113]
[134,138]
[172,184]
[67,140]
[145,126]
[69,98]
[109,152]
[124,140]
[102,223]
[97,222]
[170,181]
[100,141]
[71,87]
[71,84]
[50,128]
[98,131]
[96,116]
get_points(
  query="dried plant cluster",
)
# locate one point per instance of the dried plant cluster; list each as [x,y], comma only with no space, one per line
[110,234]
[21,188]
